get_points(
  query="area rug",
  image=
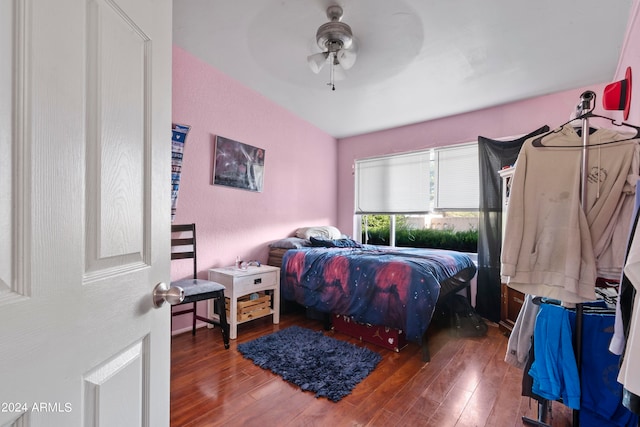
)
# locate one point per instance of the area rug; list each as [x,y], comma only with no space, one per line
[312,361]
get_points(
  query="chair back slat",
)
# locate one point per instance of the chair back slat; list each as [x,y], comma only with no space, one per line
[182,255]
[182,242]
[179,243]
[182,227]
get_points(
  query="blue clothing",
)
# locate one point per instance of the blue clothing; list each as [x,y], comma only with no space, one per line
[596,392]
[554,370]
[601,392]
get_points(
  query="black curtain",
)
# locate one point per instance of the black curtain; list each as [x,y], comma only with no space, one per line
[493,156]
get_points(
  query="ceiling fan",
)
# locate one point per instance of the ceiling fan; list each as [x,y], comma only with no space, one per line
[338,46]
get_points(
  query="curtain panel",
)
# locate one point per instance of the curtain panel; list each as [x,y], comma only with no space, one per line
[493,155]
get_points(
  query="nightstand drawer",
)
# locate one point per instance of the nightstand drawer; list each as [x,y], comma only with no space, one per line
[248,283]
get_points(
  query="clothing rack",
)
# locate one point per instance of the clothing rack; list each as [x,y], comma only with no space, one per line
[544,406]
[584,392]
[587,104]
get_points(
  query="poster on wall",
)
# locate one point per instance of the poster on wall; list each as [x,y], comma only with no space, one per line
[178,138]
[238,165]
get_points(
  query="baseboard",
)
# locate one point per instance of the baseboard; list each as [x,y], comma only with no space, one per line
[188,329]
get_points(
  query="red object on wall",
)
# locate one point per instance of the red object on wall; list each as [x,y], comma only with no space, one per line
[617,95]
[389,338]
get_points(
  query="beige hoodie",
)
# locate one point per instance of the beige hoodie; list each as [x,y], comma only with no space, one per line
[548,247]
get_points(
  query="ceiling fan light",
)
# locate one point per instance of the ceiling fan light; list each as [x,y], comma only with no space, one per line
[346,58]
[316,61]
[339,73]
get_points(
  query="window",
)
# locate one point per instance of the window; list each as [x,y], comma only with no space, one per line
[393,184]
[436,188]
[457,172]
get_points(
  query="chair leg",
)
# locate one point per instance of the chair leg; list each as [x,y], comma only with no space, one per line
[195,307]
[224,324]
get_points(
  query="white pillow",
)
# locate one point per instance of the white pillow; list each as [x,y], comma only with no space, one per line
[323,231]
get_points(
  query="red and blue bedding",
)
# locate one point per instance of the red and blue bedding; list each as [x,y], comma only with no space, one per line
[394,287]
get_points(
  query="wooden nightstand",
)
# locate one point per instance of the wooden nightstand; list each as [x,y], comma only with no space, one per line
[242,283]
[511,304]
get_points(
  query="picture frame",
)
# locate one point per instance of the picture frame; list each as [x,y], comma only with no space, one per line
[238,165]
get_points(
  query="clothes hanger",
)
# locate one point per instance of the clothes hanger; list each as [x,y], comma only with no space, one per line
[538,141]
[587,98]
[597,306]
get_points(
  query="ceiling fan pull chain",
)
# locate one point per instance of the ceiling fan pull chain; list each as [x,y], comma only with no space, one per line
[332,59]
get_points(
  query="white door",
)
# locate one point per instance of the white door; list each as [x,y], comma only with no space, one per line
[85,128]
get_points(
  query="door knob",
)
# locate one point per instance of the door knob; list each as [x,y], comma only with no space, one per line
[162,292]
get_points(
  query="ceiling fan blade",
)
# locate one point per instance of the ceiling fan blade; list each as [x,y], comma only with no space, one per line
[317,61]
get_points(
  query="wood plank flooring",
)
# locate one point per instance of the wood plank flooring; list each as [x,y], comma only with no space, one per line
[467,383]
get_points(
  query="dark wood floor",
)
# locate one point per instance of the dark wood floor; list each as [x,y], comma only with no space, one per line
[467,383]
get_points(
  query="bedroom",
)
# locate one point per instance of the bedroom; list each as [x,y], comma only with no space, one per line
[80,255]
[247,222]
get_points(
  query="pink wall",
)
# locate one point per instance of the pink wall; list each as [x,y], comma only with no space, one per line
[503,121]
[300,169]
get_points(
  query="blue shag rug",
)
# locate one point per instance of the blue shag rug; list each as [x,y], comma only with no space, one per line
[312,361]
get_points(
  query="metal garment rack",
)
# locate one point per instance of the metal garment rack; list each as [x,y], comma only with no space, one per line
[587,104]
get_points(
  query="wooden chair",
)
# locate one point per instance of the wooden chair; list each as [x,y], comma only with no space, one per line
[183,246]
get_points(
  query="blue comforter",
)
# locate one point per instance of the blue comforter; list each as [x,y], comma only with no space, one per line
[395,287]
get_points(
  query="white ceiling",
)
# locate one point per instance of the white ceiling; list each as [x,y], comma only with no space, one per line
[417,59]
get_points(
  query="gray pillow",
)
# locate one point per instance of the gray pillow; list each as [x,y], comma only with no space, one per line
[290,243]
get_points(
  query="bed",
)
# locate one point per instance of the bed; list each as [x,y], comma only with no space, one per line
[378,285]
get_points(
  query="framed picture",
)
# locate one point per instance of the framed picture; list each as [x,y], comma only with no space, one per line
[238,165]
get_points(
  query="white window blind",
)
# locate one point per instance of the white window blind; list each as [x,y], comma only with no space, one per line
[457,174]
[393,184]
